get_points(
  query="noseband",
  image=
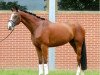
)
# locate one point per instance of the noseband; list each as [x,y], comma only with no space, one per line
[13,23]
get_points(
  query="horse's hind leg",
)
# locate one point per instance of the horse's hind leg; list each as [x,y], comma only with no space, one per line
[79,49]
[77,46]
[73,44]
[81,57]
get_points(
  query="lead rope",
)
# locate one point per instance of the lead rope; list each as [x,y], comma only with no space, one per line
[7,36]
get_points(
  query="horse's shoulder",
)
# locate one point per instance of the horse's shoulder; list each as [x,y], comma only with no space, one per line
[41,28]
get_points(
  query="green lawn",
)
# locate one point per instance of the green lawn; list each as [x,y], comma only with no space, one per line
[35,72]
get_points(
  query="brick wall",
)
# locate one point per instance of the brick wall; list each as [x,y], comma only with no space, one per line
[17,50]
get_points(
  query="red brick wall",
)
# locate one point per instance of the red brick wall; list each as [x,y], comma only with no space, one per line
[17,50]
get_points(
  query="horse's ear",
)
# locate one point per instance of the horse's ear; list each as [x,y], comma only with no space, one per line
[15,8]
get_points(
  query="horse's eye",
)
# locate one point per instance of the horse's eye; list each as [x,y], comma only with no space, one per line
[15,16]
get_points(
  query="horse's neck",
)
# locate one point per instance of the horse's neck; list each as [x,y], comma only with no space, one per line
[31,22]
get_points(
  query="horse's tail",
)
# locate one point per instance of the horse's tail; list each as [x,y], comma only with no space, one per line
[83,57]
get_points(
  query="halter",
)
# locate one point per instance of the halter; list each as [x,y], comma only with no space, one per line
[13,24]
[6,36]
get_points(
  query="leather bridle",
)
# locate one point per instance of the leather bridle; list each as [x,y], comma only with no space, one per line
[13,24]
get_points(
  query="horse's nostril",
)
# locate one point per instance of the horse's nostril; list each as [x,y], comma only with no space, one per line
[10,28]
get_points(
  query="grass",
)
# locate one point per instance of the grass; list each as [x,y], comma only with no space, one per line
[35,72]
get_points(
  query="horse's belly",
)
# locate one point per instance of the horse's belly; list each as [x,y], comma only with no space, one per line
[54,44]
[58,41]
[60,35]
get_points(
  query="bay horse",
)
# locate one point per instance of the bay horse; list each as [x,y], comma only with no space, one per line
[45,34]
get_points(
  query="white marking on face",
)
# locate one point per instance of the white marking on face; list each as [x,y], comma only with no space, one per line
[10,27]
[9,24]
[11,18]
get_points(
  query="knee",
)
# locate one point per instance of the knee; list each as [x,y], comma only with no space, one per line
[78,57]
[45,60]
[40,61]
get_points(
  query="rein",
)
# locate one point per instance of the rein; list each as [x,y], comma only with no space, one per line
[6,36]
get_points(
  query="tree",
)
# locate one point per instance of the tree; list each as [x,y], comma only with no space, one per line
[9,5]
[92,5]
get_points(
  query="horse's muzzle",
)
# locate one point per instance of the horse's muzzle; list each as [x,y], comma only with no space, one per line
[10,26]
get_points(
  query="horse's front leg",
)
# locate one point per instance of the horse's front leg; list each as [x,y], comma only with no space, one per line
[40,58]
[45,58]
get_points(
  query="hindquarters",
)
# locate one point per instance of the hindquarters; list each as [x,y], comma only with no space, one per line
[78,43]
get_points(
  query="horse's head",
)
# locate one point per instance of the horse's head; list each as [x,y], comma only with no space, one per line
[15,18]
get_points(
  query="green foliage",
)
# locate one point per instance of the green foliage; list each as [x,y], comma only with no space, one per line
[91,5]
[9,5]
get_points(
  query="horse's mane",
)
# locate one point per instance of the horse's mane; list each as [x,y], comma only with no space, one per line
[33,14]
[16,8]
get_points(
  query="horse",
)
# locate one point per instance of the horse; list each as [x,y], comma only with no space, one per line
[45,34]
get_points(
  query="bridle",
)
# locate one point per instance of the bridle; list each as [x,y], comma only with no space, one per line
[13,24]
[6,36]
